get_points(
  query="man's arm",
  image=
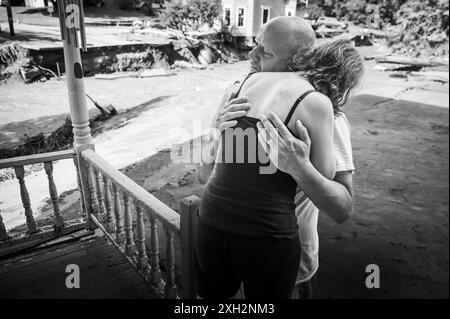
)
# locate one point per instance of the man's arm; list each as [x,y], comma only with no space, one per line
[332,197]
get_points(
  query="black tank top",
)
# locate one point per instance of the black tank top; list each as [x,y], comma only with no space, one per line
[246,194]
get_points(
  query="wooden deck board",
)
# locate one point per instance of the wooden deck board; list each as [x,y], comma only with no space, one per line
[104,273]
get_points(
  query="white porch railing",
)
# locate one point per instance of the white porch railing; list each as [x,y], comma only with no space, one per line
[118,206]
[110,197]
[34,232]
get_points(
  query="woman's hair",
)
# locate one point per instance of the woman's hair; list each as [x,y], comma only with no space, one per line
[334,69]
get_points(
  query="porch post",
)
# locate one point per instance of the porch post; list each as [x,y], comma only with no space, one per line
[71,20]
[72,32]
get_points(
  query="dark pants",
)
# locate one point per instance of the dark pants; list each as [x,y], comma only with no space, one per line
[267,268]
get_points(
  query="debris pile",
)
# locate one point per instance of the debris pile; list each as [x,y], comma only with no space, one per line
[11,57]
[135,61]
[192,50]
[429,69]
[422,30]
[31,72]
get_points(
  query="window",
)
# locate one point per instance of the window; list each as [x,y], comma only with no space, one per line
[241,17]
[265,15]
[227,17]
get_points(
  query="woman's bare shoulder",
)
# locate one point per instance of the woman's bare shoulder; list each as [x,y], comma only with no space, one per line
[317,106]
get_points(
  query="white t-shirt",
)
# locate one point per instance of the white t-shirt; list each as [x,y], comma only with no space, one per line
[307,213]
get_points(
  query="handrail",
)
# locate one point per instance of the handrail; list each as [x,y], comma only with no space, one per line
[164,213]
[36,158]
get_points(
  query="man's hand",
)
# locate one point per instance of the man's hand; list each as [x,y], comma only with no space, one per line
[231,111]
[287,152]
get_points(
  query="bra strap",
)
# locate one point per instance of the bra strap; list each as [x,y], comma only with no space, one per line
[294,107]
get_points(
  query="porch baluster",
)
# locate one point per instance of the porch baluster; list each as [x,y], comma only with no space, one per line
[92,189]
[108,205]
[59,223]
[31,224]
[130,247]
[170,289]
[101,203]
[142,261]
[155,271]
[120,234]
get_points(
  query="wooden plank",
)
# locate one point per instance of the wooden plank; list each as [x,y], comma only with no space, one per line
[164,213]
[36,158]
[35,266]
[16,245]
[104,273]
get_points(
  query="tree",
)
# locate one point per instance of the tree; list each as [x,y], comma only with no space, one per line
[190,14]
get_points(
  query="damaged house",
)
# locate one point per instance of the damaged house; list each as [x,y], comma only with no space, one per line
[242,19]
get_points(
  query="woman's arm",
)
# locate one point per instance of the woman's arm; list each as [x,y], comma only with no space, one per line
[334,198]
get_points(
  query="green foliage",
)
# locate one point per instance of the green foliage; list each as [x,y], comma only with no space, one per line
[190,14]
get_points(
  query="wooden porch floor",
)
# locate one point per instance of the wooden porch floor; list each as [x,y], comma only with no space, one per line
[104,273]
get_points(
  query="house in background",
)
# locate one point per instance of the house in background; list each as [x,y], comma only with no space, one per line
[35,3]
[243,19]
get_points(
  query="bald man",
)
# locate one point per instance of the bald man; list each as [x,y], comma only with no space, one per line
[281,39]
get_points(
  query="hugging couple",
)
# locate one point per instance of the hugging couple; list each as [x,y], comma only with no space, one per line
[257,233]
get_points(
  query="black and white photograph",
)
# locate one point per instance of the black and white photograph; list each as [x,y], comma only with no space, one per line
[220,150]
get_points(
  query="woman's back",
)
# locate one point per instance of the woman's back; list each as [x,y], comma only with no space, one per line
[273,91]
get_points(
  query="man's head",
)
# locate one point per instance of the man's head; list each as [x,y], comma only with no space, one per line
[279,41]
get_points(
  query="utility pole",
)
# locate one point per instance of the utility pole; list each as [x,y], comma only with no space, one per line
[10,18]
